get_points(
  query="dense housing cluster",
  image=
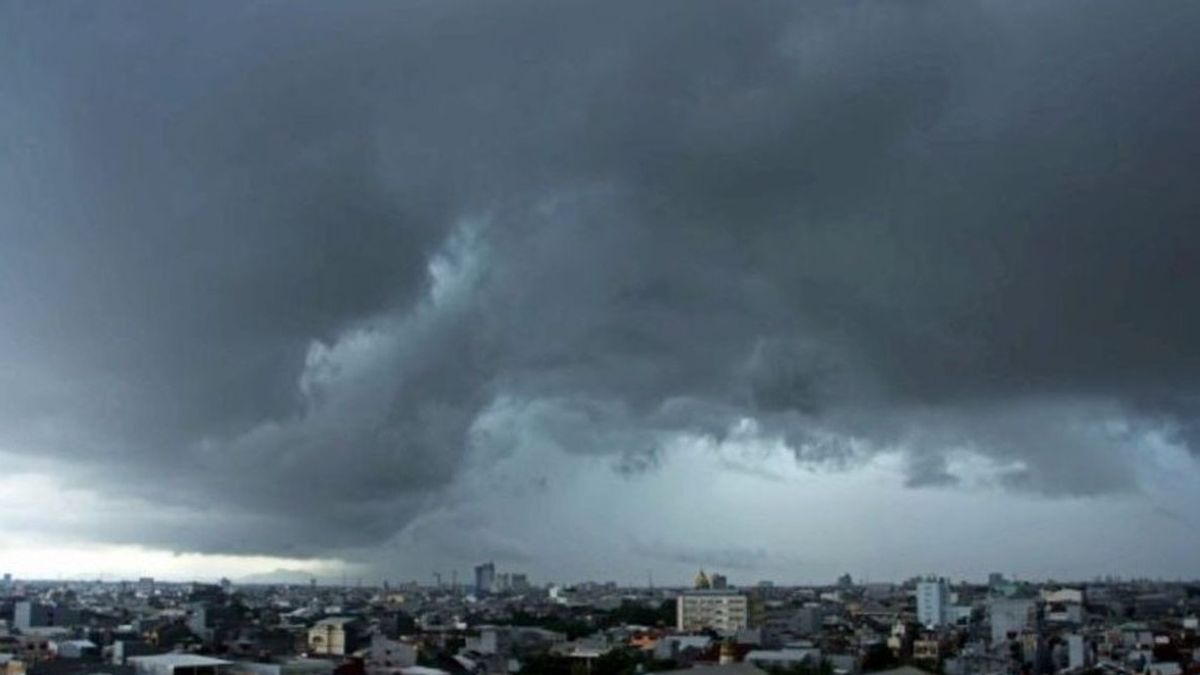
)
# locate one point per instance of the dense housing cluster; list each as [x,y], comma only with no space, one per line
[505,625]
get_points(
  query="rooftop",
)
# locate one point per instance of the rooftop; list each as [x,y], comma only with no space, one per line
[903,670]
[335,621]
[725,669]
[178,660]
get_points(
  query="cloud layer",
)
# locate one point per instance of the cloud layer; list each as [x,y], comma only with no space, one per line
[292,268]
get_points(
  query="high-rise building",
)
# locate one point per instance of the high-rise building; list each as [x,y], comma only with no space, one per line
[719,582]
[723,611]
[485,577]
[933,596]
[29,614]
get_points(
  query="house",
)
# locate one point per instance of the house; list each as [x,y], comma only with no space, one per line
[336,636]
[722,669]
[389,656]
[76,649]
[784,658]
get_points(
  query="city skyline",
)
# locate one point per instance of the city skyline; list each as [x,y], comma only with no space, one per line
[292,578]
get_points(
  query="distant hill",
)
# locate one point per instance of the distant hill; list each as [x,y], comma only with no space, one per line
[278,576]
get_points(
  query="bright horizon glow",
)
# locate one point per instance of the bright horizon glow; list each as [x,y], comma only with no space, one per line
[120,562]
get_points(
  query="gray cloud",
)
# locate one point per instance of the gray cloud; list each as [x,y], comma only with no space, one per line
[277,263]
[733,558]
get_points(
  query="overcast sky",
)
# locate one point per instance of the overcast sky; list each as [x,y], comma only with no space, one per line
[600,290]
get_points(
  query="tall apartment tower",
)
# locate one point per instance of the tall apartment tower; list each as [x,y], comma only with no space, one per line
[485,577]
[933,596]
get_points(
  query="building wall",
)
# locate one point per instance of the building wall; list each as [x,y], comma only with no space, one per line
[151,666]
[928,651]
[1008,615]
[932,597]
[33,648]
[1076,654]
[723,612]
[387,655]
[485,578]
[808,620]
[27,614]
[327,639]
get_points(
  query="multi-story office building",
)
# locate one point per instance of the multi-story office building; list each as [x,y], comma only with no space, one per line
[723,611]
[485,577]
[933,596]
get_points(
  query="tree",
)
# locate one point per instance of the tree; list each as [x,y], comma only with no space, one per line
[879,657]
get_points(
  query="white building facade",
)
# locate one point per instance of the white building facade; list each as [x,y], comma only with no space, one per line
[723,611]
[933,598]
[335,636]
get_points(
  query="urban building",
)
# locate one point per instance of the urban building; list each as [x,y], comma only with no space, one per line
[76,649]
[28,614]
[294,666]
[927,650]
[179,664]
[933,597]
[1009,617]
[1077,655]
[485,577]
[788,657]
[389,656]
[335,636]
[723,611]
[33,649]
[10,665]
[808,619]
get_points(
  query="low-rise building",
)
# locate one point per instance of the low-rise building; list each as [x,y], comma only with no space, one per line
[1009,616]
[388,656]
[76,649]
[28,614]
[787,657]
[335,636]
[179,663]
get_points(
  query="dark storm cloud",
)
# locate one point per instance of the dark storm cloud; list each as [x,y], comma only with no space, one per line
[287,263]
